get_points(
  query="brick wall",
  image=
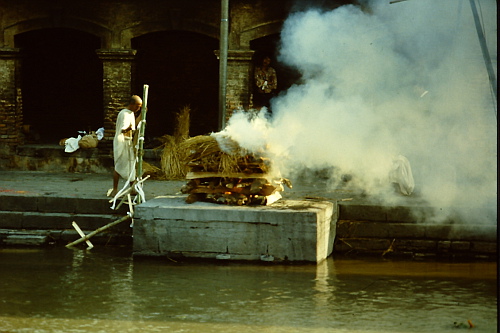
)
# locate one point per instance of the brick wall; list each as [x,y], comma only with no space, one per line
[10,98]
[116,32]
[239,78]
[117,76]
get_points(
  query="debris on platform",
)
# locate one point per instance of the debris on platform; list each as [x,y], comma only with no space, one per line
[220,171]
[86,141]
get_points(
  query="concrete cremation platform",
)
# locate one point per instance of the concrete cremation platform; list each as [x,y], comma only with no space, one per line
[290,230]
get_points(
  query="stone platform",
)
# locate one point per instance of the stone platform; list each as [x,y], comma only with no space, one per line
[288,230]
[38,208]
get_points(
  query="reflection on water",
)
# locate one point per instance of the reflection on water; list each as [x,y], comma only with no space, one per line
[106,290]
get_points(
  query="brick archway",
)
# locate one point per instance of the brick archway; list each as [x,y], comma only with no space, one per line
[10,33]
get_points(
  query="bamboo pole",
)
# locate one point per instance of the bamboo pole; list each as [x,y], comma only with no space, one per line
[80,232]
[101,229]
[141,132]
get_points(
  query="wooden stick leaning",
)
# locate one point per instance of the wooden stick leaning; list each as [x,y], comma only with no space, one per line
[80,232]
[127,193]
[95,232]
[141,132]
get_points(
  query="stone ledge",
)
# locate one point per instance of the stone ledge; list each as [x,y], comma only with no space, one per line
[58,221]
[59,204]
[290,230]
[369,229]
[23,238]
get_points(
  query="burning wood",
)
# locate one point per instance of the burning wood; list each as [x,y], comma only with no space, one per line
[233,176]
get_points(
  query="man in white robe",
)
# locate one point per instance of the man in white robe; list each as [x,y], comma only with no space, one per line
[123,147]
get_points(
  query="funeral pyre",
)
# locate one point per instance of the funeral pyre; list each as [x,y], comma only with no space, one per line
[222,172]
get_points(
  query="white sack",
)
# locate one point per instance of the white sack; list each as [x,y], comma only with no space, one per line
[71,144]
[401,174]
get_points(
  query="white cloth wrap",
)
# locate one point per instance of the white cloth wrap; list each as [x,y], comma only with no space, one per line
[123,150]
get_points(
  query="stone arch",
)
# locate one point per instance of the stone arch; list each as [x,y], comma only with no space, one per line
[259,31]
[126,35]
[47,22]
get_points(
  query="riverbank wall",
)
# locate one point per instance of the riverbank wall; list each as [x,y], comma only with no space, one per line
[43,217]
[37,208]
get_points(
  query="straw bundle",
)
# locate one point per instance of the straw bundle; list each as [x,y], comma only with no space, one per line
[153,171]
[181,131]
[211,153]
[172,159]
[205,152]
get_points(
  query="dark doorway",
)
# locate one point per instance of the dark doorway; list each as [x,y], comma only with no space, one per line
[61,83]
[181,70]
[269,46]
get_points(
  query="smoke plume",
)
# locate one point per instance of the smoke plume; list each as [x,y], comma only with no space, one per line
[383,80]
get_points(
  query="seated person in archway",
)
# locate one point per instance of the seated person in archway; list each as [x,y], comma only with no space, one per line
[266,83]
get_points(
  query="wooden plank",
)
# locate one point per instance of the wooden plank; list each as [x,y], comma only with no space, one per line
[195,175]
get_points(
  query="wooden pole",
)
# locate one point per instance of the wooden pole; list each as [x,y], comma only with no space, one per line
[101,229]
[224,33]
[77,228]
[142,129]
[486,52]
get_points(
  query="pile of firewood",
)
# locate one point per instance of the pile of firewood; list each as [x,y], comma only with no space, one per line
[231,176]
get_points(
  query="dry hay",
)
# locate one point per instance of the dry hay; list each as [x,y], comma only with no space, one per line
[205,145]
[200,153]
[205,152]
[181,131]
[152,171]
[200,146]
[172,159]
[172,164]
[229,163]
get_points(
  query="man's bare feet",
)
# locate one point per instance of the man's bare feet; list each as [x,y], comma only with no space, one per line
[111,192]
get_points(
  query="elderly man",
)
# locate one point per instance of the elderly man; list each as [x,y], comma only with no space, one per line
[123,148]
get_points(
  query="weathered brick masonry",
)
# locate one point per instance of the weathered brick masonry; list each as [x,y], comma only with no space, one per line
[11,116]
[117,73]
[116,24]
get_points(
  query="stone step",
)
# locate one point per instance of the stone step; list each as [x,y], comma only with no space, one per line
[58,221]
[54,204]
[381,213]
[457,232]
[15,238]
[416,239]
[9,237]
[53,158]
[43,220]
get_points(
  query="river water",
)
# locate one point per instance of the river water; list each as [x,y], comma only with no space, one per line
[108,290]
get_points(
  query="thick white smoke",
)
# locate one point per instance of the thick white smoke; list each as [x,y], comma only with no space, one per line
[404,78]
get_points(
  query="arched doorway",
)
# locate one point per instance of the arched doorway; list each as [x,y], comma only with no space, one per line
[181,69]
[269,45]
[61,83]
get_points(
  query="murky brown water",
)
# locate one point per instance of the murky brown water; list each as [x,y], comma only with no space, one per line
[106,290]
